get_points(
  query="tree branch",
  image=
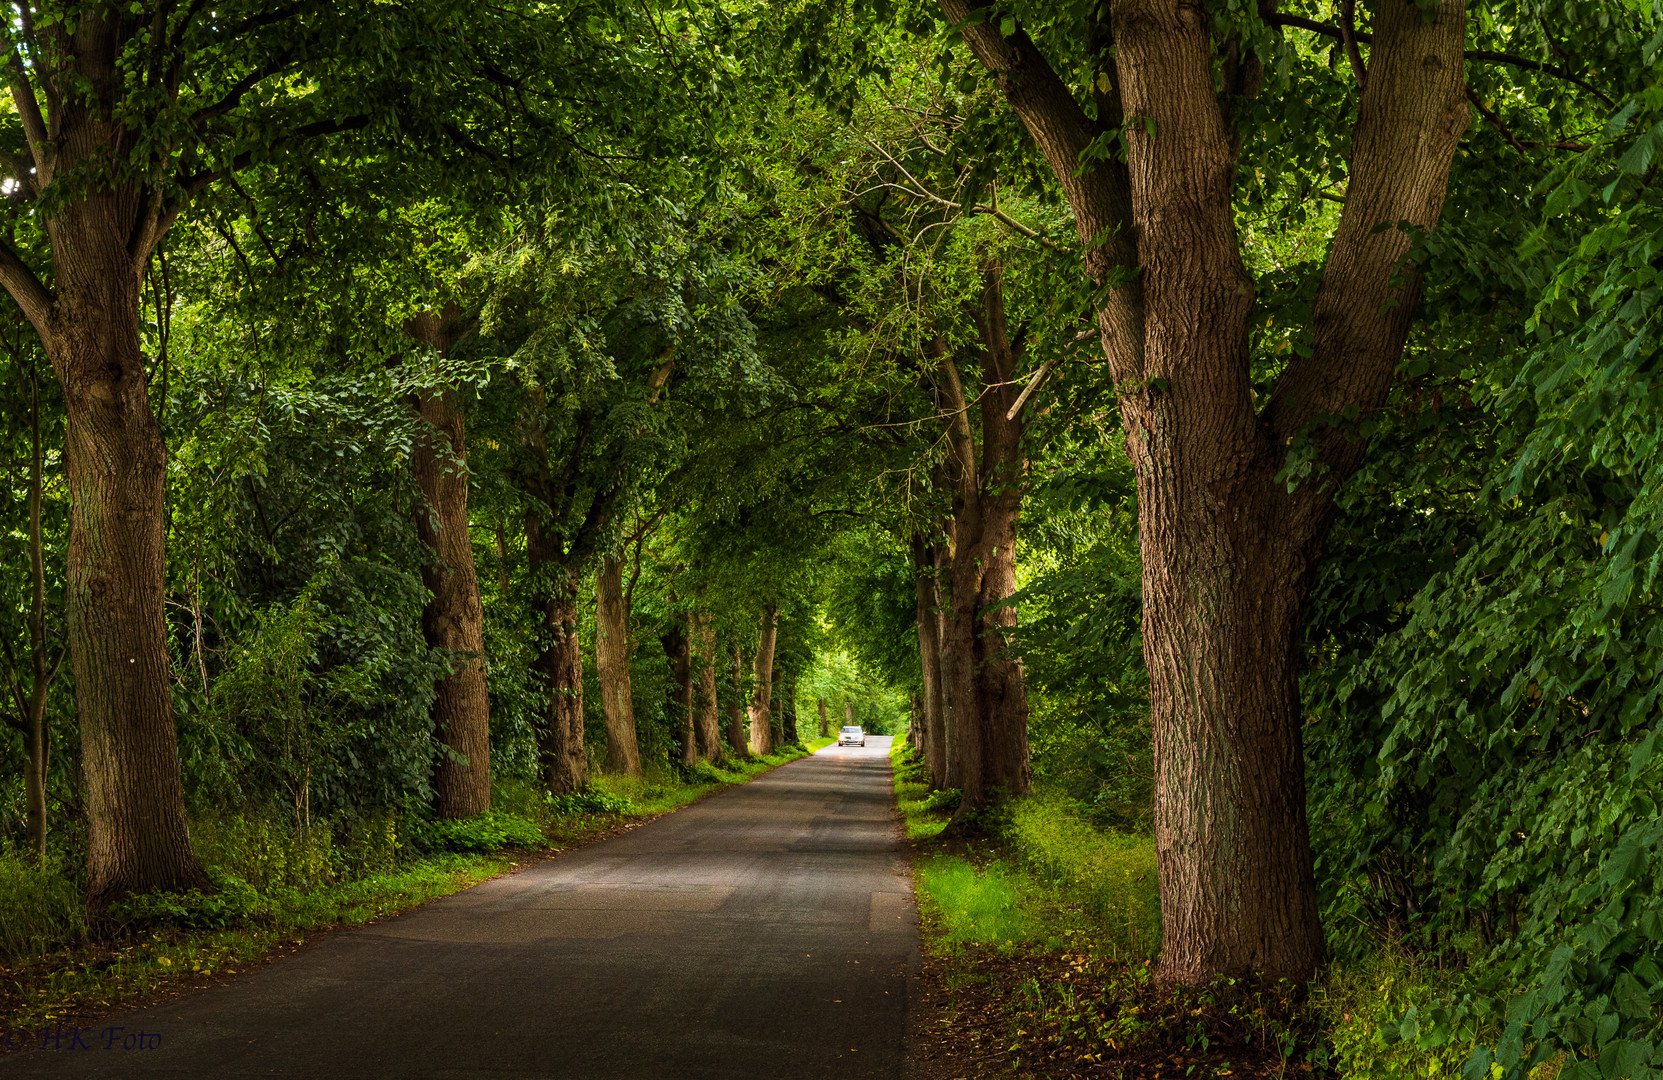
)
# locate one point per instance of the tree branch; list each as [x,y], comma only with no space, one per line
[26,289]
[1480,55]
[1348,37]
[1098,189]
[1494,120]
[34,124]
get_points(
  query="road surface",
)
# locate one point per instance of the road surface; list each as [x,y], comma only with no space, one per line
[768,931]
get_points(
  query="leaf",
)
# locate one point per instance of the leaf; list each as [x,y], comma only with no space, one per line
[1637,159]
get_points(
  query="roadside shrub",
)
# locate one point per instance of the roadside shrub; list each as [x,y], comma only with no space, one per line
[703,772]
[490,831]
[591,800]
[942,801]
[267,852]
[42,908]
[231,902]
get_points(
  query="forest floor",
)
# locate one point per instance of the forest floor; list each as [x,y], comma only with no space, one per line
[98,975]
[1030,975]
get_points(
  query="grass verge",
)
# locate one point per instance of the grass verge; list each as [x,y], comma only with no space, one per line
[1039,942]
[274,892]
[1040,939]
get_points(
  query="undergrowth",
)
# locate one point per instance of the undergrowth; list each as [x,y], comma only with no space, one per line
[1044,935]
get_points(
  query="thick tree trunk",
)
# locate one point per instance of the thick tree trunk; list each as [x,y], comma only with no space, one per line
[933,738]
[825,724]
[848,713]
[623,753]
[952,761]
[707,710]
[990,700]
[453,620]
[559,663]
[762,731]
[115,461]
[1229,552]
[736,708]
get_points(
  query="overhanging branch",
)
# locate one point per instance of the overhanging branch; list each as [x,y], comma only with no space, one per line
[25,288]
[1483,56]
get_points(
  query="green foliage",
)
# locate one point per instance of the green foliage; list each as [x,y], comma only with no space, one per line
[1112,876]
[232,902]
[43,908]
[974,904]
[591,800]
[1484,697]
[490,831]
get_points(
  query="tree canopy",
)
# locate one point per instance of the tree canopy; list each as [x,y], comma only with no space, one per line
[1237,420]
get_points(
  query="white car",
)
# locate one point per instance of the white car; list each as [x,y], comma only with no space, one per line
[851,736]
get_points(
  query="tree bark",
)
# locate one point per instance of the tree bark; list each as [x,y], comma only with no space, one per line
[933,737]
[559,665]
[115,460]
[990,700]
[453,621]
[825,725]
[1228,551]
[705,704]
[762,731]
[736,708]
[623,753]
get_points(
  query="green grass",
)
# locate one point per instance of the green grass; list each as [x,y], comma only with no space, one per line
[41,908]
[277,884]
[985,905]
[1112,876]
[1049,881]
[924,813]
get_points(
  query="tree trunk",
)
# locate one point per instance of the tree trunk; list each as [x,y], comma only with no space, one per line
[762,732]
[623,754]
[848,713]
[677,649]
[952,761]
[933,737]
[990,700]
[115,460]
[559,663]
[707,709]
[1228,550]
[825,725]
[453,621]
[736,708]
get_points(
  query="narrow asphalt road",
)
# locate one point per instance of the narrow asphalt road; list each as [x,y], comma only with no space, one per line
[768,931]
